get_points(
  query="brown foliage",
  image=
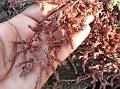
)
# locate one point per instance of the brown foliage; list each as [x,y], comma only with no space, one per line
[102,43]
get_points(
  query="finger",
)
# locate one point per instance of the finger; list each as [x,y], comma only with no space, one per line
[66,50]
[41,10]
[31,16]
[77,39]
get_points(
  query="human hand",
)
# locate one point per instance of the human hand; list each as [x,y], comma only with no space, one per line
[17,29]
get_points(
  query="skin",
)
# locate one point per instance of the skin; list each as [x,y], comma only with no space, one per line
[17,29]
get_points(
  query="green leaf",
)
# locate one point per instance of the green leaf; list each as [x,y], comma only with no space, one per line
[118,25]
[114,3]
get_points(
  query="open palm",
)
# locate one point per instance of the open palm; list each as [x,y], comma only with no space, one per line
[17,29]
